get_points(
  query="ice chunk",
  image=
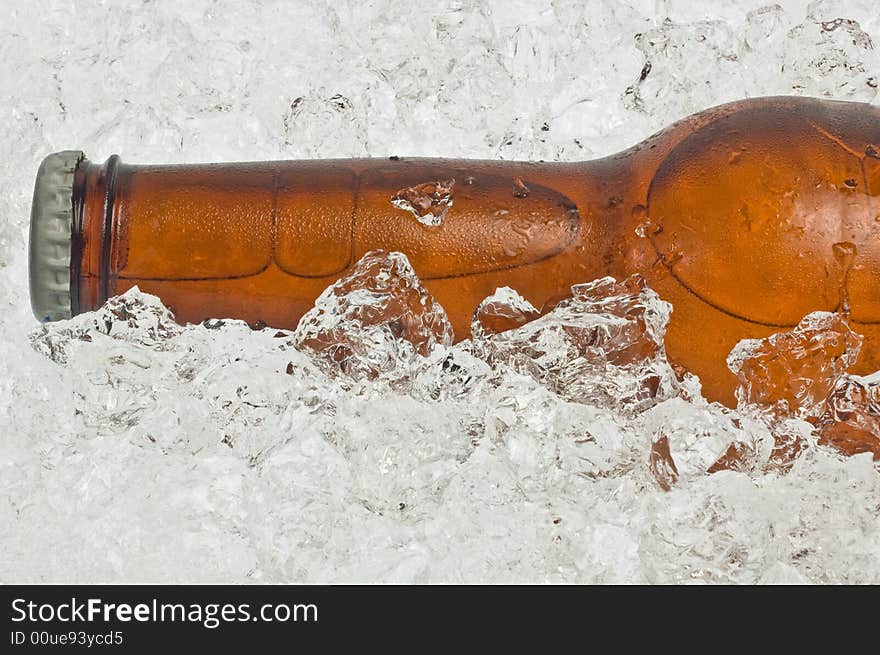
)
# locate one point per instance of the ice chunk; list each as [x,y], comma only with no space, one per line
[794,372]
[661,464]
[739,456]
[374,322]
[824,54]
[602,346]
[764,445]
[644,317]
[851,423]
[428,202]
[841,60]
[789,443]
[696,435]
[503,310]
[782,574]
[790,375]
[450,373]
[134,316]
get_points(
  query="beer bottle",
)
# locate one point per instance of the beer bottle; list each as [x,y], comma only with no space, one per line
[745,217]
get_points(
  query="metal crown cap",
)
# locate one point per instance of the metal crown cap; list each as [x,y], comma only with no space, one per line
[50,236]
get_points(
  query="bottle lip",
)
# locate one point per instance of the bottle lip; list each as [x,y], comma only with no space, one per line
[50,236]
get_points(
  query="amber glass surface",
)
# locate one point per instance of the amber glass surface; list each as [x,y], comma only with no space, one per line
[745,217]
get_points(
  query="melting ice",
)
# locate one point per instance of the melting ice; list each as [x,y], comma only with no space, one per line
[369,417]
[133,449]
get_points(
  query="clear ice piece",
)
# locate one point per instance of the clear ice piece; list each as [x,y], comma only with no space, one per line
[638,334]
[793,373]
[428,201]
[739,456]
[375,322]
[133,316]
[696,435]
[839,59]
[450,373]
[603,346]
[661,464]
[502,311]
[851,423]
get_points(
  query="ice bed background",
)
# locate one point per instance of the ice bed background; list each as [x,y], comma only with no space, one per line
[199,458]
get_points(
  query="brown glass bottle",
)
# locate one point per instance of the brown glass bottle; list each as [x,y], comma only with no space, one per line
[745,217]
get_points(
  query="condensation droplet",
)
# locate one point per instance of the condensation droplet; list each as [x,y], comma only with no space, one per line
[672,257]
[844,254]
[648,228]
[520,190]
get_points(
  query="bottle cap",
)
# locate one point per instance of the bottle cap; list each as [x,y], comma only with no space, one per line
[50,237]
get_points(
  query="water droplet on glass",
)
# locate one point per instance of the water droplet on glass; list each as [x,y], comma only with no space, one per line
[512,252]
[844,254]
[523,228]
[648,228]
[672,257]
[520,190]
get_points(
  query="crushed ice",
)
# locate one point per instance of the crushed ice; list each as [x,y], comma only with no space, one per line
[133,449]
[603,346]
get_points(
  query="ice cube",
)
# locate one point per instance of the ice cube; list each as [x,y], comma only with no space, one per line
[793,373]
[789,443]
[661,464]
[503,310]
[450,373]
[851,423]
[739,456]
[697,434]
[602,346]
[133,316]
[645,316]
[375,322]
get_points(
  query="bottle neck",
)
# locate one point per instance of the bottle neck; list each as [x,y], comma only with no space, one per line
[538,227]
[94,202]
